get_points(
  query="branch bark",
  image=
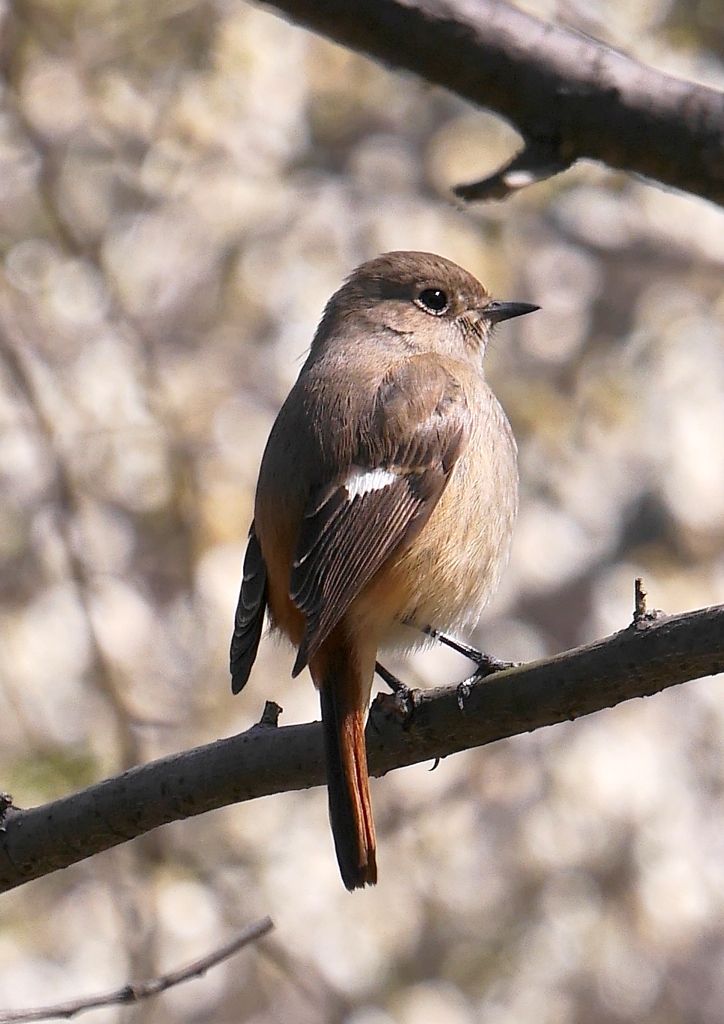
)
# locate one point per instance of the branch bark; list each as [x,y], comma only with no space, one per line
[651,654]
[568,95]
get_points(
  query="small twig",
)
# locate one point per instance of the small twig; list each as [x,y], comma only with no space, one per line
[134,993]
[642,617]
[6,803]
[270,714]
[536,162]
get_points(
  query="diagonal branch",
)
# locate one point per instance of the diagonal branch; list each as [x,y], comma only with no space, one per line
[567,94]
[135,992]
[654,652]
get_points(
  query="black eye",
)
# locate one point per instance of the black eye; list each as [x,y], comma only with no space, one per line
[433,300]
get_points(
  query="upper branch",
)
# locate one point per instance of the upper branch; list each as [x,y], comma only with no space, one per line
[569,95]
[651,654]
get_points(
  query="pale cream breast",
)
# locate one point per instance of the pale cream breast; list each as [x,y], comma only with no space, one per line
[474,519]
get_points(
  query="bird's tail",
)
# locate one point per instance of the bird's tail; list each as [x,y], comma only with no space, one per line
[343,697]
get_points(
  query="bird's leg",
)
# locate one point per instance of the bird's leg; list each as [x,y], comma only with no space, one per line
[485,664]
[395,684]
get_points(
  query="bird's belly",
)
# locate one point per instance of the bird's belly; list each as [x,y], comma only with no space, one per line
[447,594]
[448,574]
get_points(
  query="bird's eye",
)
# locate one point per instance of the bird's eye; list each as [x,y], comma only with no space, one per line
[433,300]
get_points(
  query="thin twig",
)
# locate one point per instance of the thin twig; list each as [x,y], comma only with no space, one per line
[535,162]
[643,616]
[135,992]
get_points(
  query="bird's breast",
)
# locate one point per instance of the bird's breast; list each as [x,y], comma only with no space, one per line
[454,565]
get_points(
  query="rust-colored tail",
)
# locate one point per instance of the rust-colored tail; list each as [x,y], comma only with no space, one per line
[343,719]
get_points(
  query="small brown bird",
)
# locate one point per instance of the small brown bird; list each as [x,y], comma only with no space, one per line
[385,502]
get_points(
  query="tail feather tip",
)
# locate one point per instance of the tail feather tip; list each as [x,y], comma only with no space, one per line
[361,875]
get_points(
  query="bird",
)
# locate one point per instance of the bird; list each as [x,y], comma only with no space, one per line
[385,503]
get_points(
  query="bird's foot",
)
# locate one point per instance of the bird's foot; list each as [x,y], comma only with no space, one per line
[404,698]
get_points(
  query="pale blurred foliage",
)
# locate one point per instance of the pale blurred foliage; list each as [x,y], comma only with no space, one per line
[182,186]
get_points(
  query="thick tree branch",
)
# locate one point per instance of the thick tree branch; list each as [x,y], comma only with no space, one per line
[653,653]
[568,95]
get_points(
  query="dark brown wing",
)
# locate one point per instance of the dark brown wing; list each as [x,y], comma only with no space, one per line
[404,456]
[249,618]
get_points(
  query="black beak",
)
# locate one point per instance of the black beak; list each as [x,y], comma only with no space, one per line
[497,310]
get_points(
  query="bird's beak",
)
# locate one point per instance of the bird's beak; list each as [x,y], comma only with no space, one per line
[498,310]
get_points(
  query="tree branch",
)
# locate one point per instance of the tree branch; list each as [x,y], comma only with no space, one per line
[135,992]
[654,652]
[568,95]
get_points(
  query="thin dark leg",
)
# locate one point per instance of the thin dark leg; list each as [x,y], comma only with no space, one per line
[485,664]
[395,684]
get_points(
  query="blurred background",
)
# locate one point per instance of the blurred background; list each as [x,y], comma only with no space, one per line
[183,184]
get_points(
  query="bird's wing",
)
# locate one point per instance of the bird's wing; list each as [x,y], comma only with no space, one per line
[249,618]
[412,436]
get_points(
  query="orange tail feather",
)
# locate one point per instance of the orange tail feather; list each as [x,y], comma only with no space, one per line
[343,719]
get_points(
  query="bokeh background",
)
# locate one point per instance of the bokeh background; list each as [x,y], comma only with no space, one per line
[183,184]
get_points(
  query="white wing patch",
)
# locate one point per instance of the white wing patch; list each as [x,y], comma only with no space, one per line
[362,481]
